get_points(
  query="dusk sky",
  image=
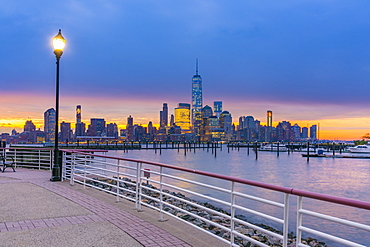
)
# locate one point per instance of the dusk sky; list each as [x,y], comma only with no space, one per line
[308,61]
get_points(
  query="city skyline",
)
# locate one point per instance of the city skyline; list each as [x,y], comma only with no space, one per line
[308,62]
[212,128]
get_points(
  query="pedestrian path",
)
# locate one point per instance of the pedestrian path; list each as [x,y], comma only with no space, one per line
[37,212]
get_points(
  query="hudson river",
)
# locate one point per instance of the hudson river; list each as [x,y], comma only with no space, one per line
[349,178]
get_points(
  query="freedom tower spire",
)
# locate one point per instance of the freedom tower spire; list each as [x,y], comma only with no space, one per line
[197,101]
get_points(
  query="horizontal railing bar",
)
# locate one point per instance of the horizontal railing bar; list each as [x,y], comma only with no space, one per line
[197,194]
[260,214]
[280,205]
[330,237]
[196,183]
[335,219]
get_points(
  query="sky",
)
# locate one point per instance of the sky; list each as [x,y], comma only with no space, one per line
[307,61]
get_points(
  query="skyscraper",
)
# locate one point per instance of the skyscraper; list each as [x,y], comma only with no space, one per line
[80,126]
[207,112]
[29,126]
[163,116]
[97,127]
[269,118]
[217,108]
[49,124]
[197,101]
[313,132]
[130,129]
[304,133]
[65,132]
[112,130]
[226,123]
[172,119]
[182,117]
[78,114]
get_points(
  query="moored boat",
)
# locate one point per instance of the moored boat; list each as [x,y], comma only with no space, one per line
[359,149]
[274,148]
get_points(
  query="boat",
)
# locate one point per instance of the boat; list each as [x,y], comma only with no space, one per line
[359,149]
[274,148]
[311,150]
[240,144]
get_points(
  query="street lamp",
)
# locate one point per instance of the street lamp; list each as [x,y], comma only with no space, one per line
[58,43]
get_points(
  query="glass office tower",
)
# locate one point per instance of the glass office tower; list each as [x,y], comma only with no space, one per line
[197,101]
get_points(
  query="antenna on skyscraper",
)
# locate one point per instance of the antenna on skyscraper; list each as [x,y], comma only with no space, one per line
[196,67]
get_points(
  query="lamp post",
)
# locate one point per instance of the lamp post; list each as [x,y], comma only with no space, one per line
[58,43]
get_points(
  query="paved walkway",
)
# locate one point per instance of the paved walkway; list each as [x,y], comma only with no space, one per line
[37,212]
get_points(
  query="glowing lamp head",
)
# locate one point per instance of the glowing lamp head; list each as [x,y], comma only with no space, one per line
[59,43]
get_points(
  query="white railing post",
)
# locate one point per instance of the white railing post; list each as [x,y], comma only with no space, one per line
[138,186]
[85,171]
[15,156]
[39,160]
[64,172]
[63,160]
[51,159]
[73,169]
[161,194]
[117,182]
[299,221]
[286,220]
[232,223]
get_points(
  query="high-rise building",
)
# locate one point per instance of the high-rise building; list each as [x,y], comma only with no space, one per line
[80,127]
[249,122]
[172,119]
[269,118]
[182,117]
[304,133]
[313,132]
[130,129]
[49,125]
[217,108]
[78,114]
[151,131]
[163,116]
[112,130]
[130,121]
[197,101]
[284,131]
[297,131]
[226,123]
[65,132]
[241,122]
[29,126]
[207,112]
[96,127]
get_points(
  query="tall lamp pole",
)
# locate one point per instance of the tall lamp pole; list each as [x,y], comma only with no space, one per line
[58,43]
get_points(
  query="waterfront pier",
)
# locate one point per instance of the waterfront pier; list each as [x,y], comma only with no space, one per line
[146,201]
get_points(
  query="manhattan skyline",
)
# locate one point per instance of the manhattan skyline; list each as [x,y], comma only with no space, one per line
[308,62]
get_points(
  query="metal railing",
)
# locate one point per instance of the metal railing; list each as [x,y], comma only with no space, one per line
[34,158]
[196,198]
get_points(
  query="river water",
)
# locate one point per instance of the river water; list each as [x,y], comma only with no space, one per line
[349,178]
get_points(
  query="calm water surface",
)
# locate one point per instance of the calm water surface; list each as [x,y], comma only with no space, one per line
[342,177]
